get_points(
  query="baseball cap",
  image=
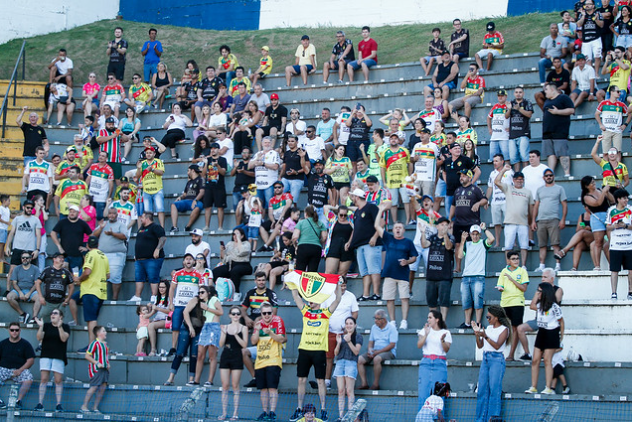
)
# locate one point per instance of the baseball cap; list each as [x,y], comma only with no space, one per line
[423,198]
[124,179]
[274,96]
[266,48]
[56,254]
[194,167]
[197,232]
[425,130]
[518,174]
[110,120]
[442,220]
[445,52]
[372,179]
[304,37]
[546,170]
[321,162]
[74,207]
[476,228]
[93,242]
[453,145]
[215,145]
[71,148]
[580,56]
[467,172]
[243,189]
[491,26]
[277,183]
[501,92]
[358,192]
[28,202]
[150,149]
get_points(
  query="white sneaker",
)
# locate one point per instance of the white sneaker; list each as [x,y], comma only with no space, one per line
[153,299]
[134,299]
[540,268]
[393,323]
[558,267]
[403,325]
[237,297]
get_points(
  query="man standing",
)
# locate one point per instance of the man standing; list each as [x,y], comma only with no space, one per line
[61,68]
[185,285]
[325,129]
[367,55]
[474,86]
[493,44]
[38,176]
[445,76]
[149,172]
[111,140]
[498,126]
[394,163]
[400,253]
[459,41]
[533,172]
[23,282]
[619,228]
[359,125]
[190,200]
[591,22]
[113,237]
[266,166]
[68,235]
[519,112]
[274,120]
[117,51]
[199,247]
[553,45]
[341,54]
[305,61]
[295,167]
[25,236]
[125,210]
[313,348]
[609,115]
[558,109]
[439,266]
[313,145]
[496,196]
[34,135]
[452,167]
[152,51]
[61,172]
[559,77]
[320,190]
[546,216]
[215,188]
[149,254]
[54,279]
[618,67]
[426,160]
[16,357]
[100,181]
[512,283]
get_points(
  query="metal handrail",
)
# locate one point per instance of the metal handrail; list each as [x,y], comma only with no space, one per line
[12,81]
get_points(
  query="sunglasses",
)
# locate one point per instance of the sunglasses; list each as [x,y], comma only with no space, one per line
[55,313]
[342,215]
[110,79]
[266,313]
[488,317]
[309,131]
[26,257]
[201,258]
[235,314]
[14,330]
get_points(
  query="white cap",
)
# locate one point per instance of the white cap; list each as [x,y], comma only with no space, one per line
[476,228]
[197,232]
[74,207]
[358,192]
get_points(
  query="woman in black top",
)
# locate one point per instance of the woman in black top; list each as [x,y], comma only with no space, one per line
[53,336]
[339,257]
[161,82]
[234,338]
[597,202]
[416,136]
[201,149]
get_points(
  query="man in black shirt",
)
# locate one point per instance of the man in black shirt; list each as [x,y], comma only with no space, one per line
[341,54]
[556,123]
[360,125]
[55,280]
[452,167]
[16,357]
[149,254]
[295,166]
[274,121]
[607,14]
[559,77]
[208,90]
[243,176]
[34,136]
[67,235]
[439,267]
[591,22]
[459,41]
[319,190]
[519,112]
[190,200]
[215,188]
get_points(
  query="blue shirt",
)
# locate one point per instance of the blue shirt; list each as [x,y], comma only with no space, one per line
[151,57]
[382,337]
[397,249]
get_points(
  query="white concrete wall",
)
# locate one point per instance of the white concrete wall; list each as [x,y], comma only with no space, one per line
[26,18]
[336,13]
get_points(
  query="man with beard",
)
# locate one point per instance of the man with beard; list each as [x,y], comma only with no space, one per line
[190,200]
[111,141]
[198,246]
[112,235]
[68,237]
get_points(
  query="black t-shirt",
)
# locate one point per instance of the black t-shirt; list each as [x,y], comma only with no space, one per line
[590,30]
[210,87]
[55,282]
[33,138]
[288,253]
[452,169]
[71,235]
[558,79]
[364,226]
[14,355]
[606,22]
[192,189]
[339,50]
[463,46]
[52,346]
[253,300]
[115,56]
[439,259]
[191,88]
[147,241]
[624,28]
[292,161]
[519,124]
[242,179]
[464,198]
[318,189]
[359,131]
[436,48]
[275,115]
[213,177]
[555,126]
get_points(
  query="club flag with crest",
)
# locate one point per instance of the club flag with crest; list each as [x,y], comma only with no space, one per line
[313,287]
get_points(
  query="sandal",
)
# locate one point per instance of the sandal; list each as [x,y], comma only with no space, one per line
[573,269]
[234,418]
[221,417]
[561,254]
[168,383]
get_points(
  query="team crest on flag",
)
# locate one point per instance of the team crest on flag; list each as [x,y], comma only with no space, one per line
[313,287]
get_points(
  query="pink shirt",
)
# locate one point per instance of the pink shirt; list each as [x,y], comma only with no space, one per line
[143,322]
[289,225]
[92,213]
[41,219]
[91,88]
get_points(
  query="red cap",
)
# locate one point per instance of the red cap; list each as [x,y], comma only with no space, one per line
[150,148]
[274,96]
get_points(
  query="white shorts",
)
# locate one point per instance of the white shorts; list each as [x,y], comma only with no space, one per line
[498,214]
[484,52]
[513,230]
[592,49]
[112,104]
[142,333]
[396,193]
[52,365]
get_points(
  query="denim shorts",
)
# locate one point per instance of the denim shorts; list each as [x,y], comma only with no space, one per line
[117,263]
[369,259]
[441,188]
[472,291]
[185,205]
[346,368]
[597,222]
[3,235]
[252,232]
[369,63]
[450,85]
[91,307]
[210,334]
[154,202]
[519,149]
[297,68]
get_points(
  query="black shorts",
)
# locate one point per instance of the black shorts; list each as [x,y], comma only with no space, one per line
[268,377]
[339,186]
[32,193]
[16,256]
[231,360]
[267,225]
[515,314]
[353,149]
[262,75]
[266,130]
[118,69]
[438,293]
[337,250]
[458,229]
[214,196]
[275,264]
[620,259]
[309,358]
[63,79]
[558,370]
[548,339]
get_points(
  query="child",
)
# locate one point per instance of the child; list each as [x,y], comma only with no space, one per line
[400,115]
[99,369]
[436,47]
[254,222]
[432,410]
[265,66]
[512,283]
[438,137]
[567,31]
[309,414]
[142,334]
[558,371]
[5,219]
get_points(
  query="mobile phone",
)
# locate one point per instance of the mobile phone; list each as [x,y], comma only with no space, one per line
[358,106]
[221,242]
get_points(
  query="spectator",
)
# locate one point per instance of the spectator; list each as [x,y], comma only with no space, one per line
[296,126]
[382,346]
[519,210]
[368,244]
[512,283]
[439,276]
[567,28]
[215,188]
[581,240]
[25,236]
[432,408]
[558,109]
[546,219]
[210,334]
[341,55]
[622,27]
[106,112]
[152,51]
[429,114]
[140,95]
[496,196]
[338,257]
[159,311]
[243,176]
[117,52]
[359,125]
[498,126]
[305,61]
[175,125]
[61,68]
[240,100]
[533,172]
[242,131]
[113,239]
[348,345]
[55,278]
[227,63]
[63,167]
[111,140]
[435,341]
[190,200]
[313,145]
[260,98]
[266,166]
[91,95]
[16,357]
[367,55]
[309,236]
[23,287]
[400,253]
[436,48]
[84,156]
[97,355]
[61,95]
[53,337]
[201,148]
[226,147]
[426,159]
[5,221]
[235,258]
[459,41]
[590,21]
[445,76]
[264,69]
[207,92]
[340,168]
[233,86]
[341,130]
[583,84]
[442,106]
[234,339]
[452,167]
[223,98]
[294,168]
[149,254]
[274,120]
[198,246]
[553,45]
[113,94]
[394,163]
[492,340]
[493,44]
[550,334]
[559,77]
[425,221]
[161,81]
[278,209]
[150,172]
[519,112]
[465,132]
[474,86]
[125,209]
[609,115]
[617,65]
[38,176]
[34,135]
[269,336]
[473,282]
[100,181]
[320,191]
[617,225]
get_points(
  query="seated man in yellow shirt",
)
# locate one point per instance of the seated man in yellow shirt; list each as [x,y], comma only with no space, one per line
[305,61]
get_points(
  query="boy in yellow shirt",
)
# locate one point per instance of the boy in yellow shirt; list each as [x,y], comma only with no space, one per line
[265,66]
[512,283]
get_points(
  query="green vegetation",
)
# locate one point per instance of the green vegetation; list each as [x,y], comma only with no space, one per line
[86,44]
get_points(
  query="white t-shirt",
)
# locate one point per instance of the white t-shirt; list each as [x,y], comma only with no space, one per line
[425,166]
[493,334]
[217,120]
[348,304]
[498,196]
[344,130]
[5,215]
[549,320]
[432,405]
[432,346]
[533,177]
[583,77]
[300,125]
[430,117]
[195,250]
[620,238]
[500,125]
[313,147]
[265,177]
[99,188]
[179,122]
[63,67]
[558,359]
[39,175]
[229,155]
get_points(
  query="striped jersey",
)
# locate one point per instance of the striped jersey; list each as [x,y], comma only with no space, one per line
[500,123]
[612,113]
[113,92]
[99,181]
[315,329]
[152,182]
[426,155]
[113,147]
[126,213]
[620,237]
[133,192]
[472,85]
[99,351]
[277,204]
[63,167]
[395,164]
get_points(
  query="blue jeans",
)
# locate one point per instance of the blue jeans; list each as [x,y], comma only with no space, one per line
[236,198]
[321,216]
[100,207]
[431,371]
[185,341]
[265,195]
[148,270]
[154,202]
[472,291]
[228,76]
[149,69]
[75,262]
[544,64]
[499,147]
[448,201]
[27,160]
[293,186]
[519,150]
[490,385]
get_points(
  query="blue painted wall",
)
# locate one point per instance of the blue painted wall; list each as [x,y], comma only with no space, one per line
[203,14]
[521,7]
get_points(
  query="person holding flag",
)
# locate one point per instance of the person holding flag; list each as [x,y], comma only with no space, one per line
[150,172]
